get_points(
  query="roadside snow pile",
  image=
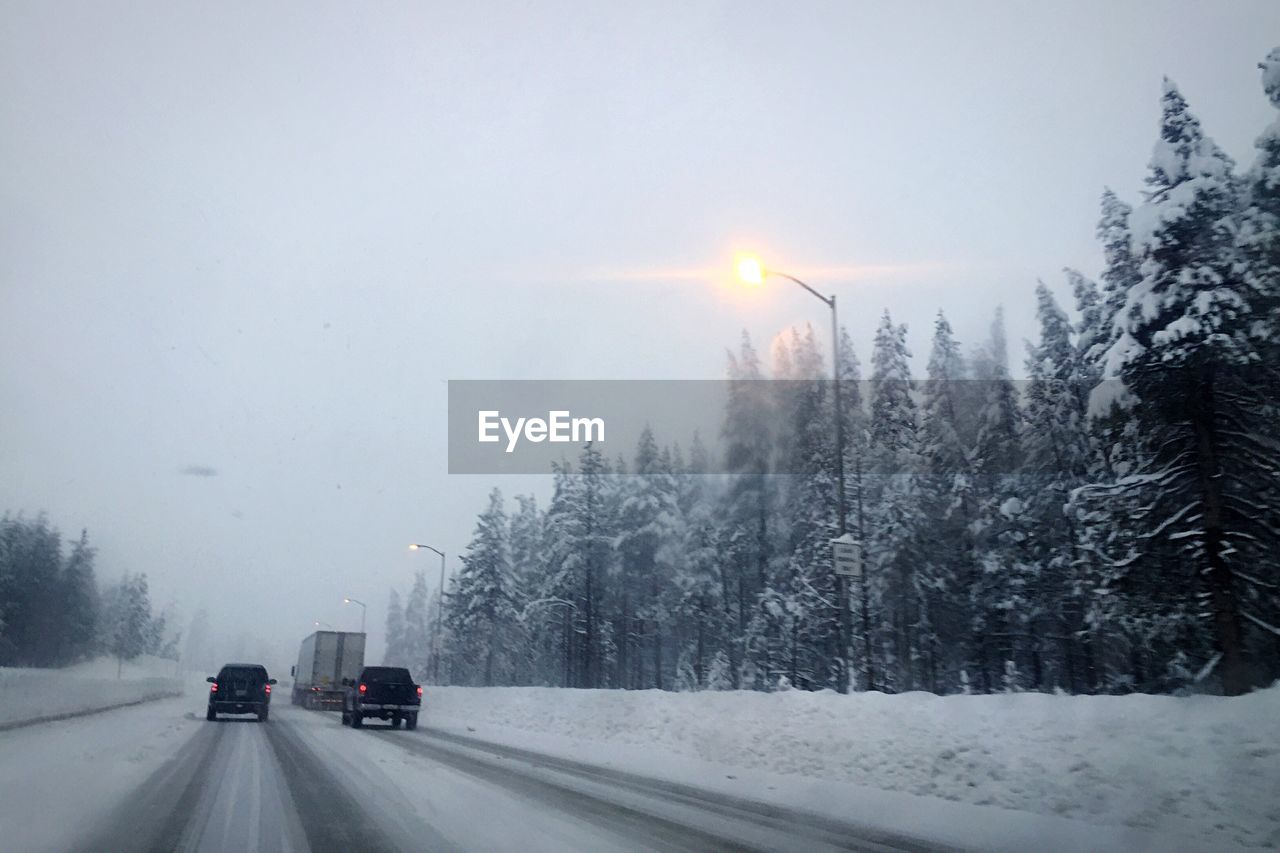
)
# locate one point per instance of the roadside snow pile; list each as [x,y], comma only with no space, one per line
[36,694]
[1205,765]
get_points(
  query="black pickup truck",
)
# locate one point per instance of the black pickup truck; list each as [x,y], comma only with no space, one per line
[384,693]
[240,688]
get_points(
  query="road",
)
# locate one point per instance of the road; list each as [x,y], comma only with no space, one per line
[303,782]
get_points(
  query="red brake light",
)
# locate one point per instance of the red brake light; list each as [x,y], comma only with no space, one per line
[419,691]
[363,688]
[268,686]
[213,688]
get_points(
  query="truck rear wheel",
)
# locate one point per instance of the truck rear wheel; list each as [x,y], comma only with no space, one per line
[211,715]
[395,722]
[357,719]
[411,721]
[263,714]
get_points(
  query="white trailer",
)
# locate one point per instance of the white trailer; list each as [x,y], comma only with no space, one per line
[324,660]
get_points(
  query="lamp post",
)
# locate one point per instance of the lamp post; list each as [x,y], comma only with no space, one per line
[435,634]
[363,610]
[751,271]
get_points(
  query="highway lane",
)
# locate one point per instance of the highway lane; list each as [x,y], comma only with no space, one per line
[303,782]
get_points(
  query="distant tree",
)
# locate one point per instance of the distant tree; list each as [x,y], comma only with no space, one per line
[197,654]
[129,628]
[395,652]
[79,602]
[416,644]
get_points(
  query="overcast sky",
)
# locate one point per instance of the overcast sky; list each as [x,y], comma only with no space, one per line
[260,240]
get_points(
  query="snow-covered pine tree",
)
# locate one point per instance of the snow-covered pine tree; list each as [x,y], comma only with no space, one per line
[1191,356]
[129,627]
[892,551]
[954,606]
[746,509]
[795,636]
[1258,245]
[528,566]
[482,606]
[1052,572]
[699,593]
[857,444]
[996,460]
[649,515]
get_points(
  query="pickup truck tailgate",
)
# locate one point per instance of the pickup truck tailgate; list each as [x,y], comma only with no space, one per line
[390,694]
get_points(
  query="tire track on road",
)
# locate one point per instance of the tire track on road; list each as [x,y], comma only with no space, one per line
[332,818]
[157,814]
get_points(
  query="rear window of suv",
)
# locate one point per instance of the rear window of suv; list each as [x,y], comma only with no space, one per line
[243,673]
[387,675]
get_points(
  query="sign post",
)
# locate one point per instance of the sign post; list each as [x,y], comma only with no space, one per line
[847,553]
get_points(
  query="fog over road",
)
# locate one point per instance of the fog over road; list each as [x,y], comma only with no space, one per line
[303,782]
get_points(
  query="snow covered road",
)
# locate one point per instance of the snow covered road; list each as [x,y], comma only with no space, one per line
[158,777]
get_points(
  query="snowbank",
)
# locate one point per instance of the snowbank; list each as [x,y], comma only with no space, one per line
[1201,767]
[28,695]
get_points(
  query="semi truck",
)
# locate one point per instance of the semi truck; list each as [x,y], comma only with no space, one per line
[324,660]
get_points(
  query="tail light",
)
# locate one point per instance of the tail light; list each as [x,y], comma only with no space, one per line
[419,691]
[363,688]
[268,688]
[213,688]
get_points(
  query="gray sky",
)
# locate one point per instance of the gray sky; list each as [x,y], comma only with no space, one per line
[260,240]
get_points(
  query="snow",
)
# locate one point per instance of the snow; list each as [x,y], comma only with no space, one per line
[57,778]
[34,694]
[1204,769]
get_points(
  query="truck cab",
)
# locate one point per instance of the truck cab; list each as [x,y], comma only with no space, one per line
[383,693]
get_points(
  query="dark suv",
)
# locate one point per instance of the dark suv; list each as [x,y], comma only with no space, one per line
[240,688]
[384,692]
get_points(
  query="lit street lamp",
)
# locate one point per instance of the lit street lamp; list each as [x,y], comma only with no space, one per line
[320,624]
[435,634]
[363,610]
[751,271]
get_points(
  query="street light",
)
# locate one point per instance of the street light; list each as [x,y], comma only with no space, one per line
[325,625]
[751,271]
[363,610]
[435,634]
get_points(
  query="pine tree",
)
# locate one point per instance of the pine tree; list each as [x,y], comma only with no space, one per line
[79,602]
[893,500]
[527,538]
[482,606]
[651,513]
[416,649]
[747,507]
[954,605]
[1053,569]
[1188,355]
[395,632]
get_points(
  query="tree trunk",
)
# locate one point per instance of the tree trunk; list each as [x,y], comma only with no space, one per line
[1222,593]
